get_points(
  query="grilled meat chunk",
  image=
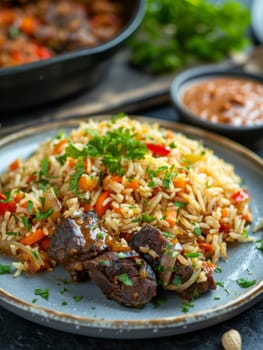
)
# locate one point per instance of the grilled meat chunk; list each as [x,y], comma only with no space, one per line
[174,271]
[123,277]
[75,241]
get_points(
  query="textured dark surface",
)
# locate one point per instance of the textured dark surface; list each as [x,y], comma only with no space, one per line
[17,333]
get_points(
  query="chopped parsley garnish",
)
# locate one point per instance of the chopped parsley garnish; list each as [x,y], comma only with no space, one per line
[180,204]
[25,223]
[168,176]
[34,253]
[43,293]
[42,201]
[30,206]
[100,235]
[34,301]
[136,220]
[172,145]
[10,233]
[121,255]
[64,290]
[217,298]
[218,269]
[117,116]
[197,231]
[138,262]
[64,303]
[44,214]
[5,269]
[168,234]
[159,301]
[78,298]
[74,178]
[185,306]
[243,283]
[177,281]
[44,167]
[160,268]
[112,147]
[104,262]
[192,255]
[7,197]
[147,218]
[245,233]
[259,244]
[220,284]
[124,278]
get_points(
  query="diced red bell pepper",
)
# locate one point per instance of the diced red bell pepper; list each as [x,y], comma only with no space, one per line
[240,196]
[158,149]
[11,205]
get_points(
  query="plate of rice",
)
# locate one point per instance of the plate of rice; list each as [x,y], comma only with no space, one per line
[128,227]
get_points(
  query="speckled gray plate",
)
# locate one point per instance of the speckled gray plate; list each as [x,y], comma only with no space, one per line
[94,315]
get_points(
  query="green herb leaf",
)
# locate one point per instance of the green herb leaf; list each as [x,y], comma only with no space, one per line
[192,255]
[197,231]
[30,206]
[25,223]
[259,244]
[243,283]
[44,214]
[180,204]
[124,278]
[185,307]
[147,218]
[44,167]
[104,262]
[177,281]
[218,269]
[121,255]
[64,290]
[5,269]
[43,293]
[74,179]
[78,298]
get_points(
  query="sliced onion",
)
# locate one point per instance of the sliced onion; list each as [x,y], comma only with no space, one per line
[185,285]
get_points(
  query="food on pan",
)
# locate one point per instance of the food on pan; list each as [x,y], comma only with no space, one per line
[36,30]
[226,100]
[126,204]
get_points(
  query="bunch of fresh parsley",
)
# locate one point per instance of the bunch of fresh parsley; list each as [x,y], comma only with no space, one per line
[178,32]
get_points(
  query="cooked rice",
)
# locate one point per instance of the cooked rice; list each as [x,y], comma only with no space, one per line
[207,186]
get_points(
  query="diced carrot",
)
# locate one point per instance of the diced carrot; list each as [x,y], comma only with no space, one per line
[117,210]
[169,134]
[19,196]
[224,213]
[116,246]
[71,162]
[86,183]
[206,247]
[246,217]
[14,165]
[33,238]
[224,227]
[31,178]
[170,217]
[44,243]
[100,208]
[58,148]
[87,207]
[134,184]
[116,179]
[179,183]
[28,25]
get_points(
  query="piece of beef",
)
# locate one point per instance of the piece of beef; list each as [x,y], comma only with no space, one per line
[123,277]
[75,241]
[171,267]
[161,254]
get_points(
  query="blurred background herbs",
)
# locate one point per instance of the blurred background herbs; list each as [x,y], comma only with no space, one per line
[179,32]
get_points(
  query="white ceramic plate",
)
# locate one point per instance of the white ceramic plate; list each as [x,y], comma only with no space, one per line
[94,315]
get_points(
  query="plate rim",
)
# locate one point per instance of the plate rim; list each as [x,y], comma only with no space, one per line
[235,305]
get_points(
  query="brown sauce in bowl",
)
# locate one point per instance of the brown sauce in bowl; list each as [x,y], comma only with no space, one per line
[226,100]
